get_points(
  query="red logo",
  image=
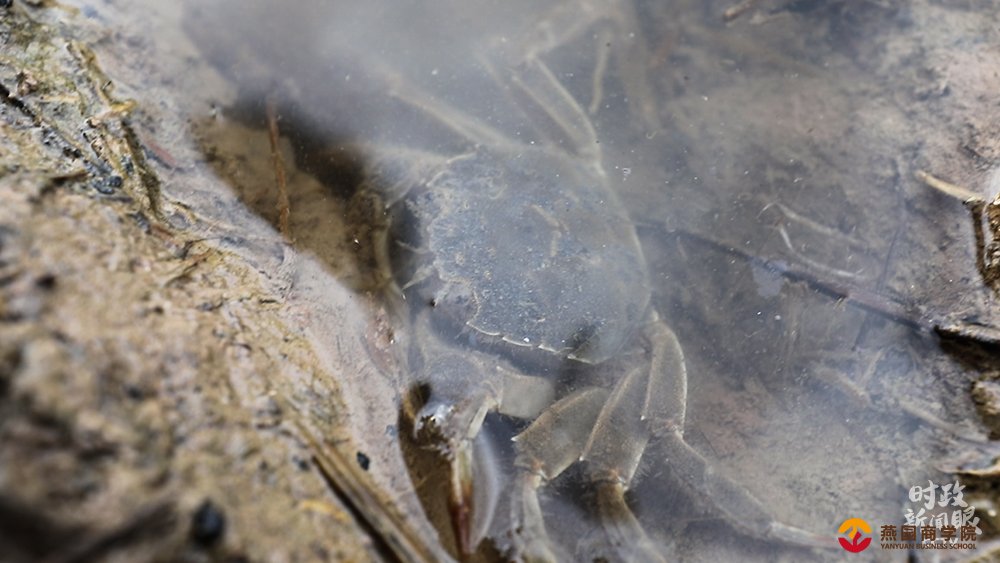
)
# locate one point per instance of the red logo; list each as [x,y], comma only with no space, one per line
[855,542]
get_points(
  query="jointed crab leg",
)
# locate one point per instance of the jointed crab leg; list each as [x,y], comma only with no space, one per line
[552,443]
[535,80]
[409,93]
[569,21]
[455,414]
[739,508]
[616,440]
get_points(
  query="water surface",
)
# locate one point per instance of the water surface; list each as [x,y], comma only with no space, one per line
[768,163]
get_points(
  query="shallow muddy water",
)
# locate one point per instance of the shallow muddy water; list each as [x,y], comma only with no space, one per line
[766,162]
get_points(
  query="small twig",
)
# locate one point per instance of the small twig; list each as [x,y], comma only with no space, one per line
[388,530]
[283,206]
[976,205]
[967,196]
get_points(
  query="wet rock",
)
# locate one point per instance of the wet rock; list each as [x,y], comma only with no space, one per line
[986,394]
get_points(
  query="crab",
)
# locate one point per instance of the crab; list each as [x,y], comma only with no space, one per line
[529,296]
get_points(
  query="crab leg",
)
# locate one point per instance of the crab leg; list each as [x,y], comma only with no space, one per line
[568,432]
[570,20]
[740,509]
[616,440]
[535,80]
[608,433]
[471,505]
[411,94]
[454,414]
[524,54]
[552,443]
[663,415]
[612,455]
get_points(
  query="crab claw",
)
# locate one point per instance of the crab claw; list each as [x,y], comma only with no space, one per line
[473,491]
[439,424]
[473,479]
[460,498]
[462,392]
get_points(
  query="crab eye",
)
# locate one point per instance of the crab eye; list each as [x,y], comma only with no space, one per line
[583,339]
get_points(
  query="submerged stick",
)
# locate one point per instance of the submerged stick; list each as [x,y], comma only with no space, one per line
[284,208]
[967,196]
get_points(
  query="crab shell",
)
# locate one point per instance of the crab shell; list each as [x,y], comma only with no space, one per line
[525,252]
